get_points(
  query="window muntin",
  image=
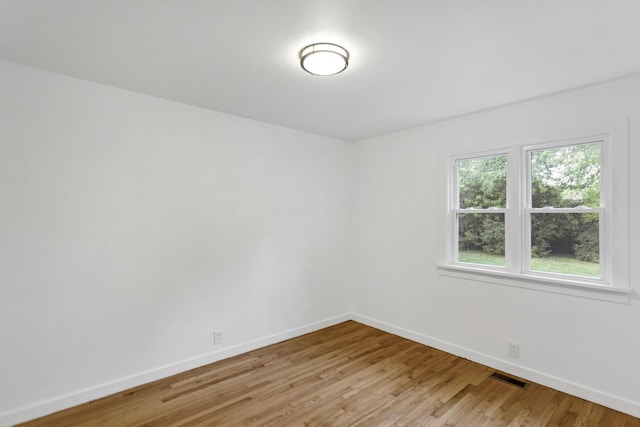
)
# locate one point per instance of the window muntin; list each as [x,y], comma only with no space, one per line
[553,223]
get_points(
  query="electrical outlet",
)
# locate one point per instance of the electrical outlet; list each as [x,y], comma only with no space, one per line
[514,349]
[217,337]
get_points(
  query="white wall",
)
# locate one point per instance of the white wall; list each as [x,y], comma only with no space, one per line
[132,226]
[585,346]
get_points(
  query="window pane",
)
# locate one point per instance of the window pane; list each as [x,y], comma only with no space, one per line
[566,243]
[482,182]
[481,238]
[566,177]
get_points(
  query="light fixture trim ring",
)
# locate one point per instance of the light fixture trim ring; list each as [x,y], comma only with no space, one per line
[324,48]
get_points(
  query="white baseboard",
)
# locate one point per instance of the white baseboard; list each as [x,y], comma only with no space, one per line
[50,406]
[575,389]
[59,403]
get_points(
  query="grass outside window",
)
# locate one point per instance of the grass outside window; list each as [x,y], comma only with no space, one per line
[553,264]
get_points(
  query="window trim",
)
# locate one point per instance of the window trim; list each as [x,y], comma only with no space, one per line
[537,283]
[516,271]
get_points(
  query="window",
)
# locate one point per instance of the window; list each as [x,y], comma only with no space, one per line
[480,215]
[535,212]
[564,210]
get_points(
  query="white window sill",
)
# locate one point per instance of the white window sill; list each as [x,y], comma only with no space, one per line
[539,283]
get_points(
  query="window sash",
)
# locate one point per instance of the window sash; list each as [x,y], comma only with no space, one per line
[456,211]
[578,210]
[528,209]
[473,211]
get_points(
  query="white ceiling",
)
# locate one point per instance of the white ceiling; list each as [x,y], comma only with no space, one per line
[413,61]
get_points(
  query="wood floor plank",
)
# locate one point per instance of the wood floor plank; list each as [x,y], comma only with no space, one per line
[345,375]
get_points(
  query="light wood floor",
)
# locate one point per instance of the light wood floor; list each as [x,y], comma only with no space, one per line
[345,375]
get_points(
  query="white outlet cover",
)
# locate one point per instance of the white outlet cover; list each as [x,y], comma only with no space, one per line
[514,349]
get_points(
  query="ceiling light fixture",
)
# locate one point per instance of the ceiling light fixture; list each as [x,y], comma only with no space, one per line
[324,59]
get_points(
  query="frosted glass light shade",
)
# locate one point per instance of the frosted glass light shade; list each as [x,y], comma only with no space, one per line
[324,59]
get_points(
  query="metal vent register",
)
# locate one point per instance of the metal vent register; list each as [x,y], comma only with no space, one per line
[508,379]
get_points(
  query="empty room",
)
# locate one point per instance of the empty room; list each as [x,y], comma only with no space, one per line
[328,213]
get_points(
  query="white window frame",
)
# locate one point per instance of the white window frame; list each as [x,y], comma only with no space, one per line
[517,270]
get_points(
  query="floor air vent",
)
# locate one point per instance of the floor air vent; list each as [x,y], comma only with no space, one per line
[509,380]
